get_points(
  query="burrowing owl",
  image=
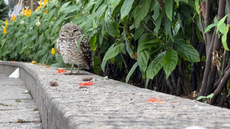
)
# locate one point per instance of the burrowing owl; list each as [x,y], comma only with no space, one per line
[68,48]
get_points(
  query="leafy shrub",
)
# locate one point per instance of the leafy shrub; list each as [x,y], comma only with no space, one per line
[4,10]
[119,32]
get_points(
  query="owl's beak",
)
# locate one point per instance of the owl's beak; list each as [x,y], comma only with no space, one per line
[71,34]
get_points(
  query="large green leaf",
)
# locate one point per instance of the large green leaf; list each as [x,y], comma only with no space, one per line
[224,38]
[59,21]
[141,11]
[146,44]
[170,61]
[177,1]
[155,66]
[156,11]
[126,7]
[114,4]
[211,25]
[221,26]
[89,6]
[186,51]
[113,51]
[168,29]
[159,22]
[131,72]
[138,33]
[92,42]
[197,6]
[169,9]
[143,59]
[63,8]
[111,25]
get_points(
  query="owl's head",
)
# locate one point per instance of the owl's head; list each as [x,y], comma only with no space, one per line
[70,30]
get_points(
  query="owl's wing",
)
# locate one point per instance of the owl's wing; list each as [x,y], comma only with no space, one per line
[86,51]
[57,46]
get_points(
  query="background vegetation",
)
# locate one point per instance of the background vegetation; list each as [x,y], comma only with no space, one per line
[4,10]
[175,47]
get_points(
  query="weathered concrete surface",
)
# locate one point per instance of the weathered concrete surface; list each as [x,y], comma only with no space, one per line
[17,109]
[110,104]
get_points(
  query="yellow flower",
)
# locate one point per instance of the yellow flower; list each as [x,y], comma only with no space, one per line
[6,23]
[46,12]
[45,2]
[53,51]
[34,62]
[40,3]
[13,17]
[38,9]
[38,23]
[28,12]
[4,30]
[23,12]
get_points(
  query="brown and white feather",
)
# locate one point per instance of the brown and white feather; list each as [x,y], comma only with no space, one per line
[68,48]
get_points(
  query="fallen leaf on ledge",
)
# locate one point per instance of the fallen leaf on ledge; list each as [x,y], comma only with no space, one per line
[86,84]
[155,100]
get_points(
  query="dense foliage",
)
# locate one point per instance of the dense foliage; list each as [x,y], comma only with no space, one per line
[165,46]
[4,10]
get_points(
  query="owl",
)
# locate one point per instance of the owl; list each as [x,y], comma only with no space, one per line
[67,47]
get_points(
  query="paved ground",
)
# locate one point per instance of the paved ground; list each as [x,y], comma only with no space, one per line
[17,109]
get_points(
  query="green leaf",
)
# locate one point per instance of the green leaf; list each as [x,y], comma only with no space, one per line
[114,4]
[201,97]
[197,6]
[155,66]
[111,25]
[131,72]
[141,11]
[126,7]
[143,59]
[63,7]
[170,61]
[156,11]
[146,44]
[221,26]
[58,22]
[138,33]
[79,43]
[92,42]
[211,25]
[113,51]
[168,29]
[186,50]
[224,38]
[103,65]
[146,83]
[130,49]
[177,1]
[210,96]
[169,8]
[159,22]
[89,7]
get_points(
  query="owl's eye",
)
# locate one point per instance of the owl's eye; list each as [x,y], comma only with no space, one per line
[65,31]
[75,31]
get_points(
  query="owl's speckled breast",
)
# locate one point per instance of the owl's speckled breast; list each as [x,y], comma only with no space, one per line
[69,52]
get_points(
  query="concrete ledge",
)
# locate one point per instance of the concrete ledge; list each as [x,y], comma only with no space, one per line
[109,104]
